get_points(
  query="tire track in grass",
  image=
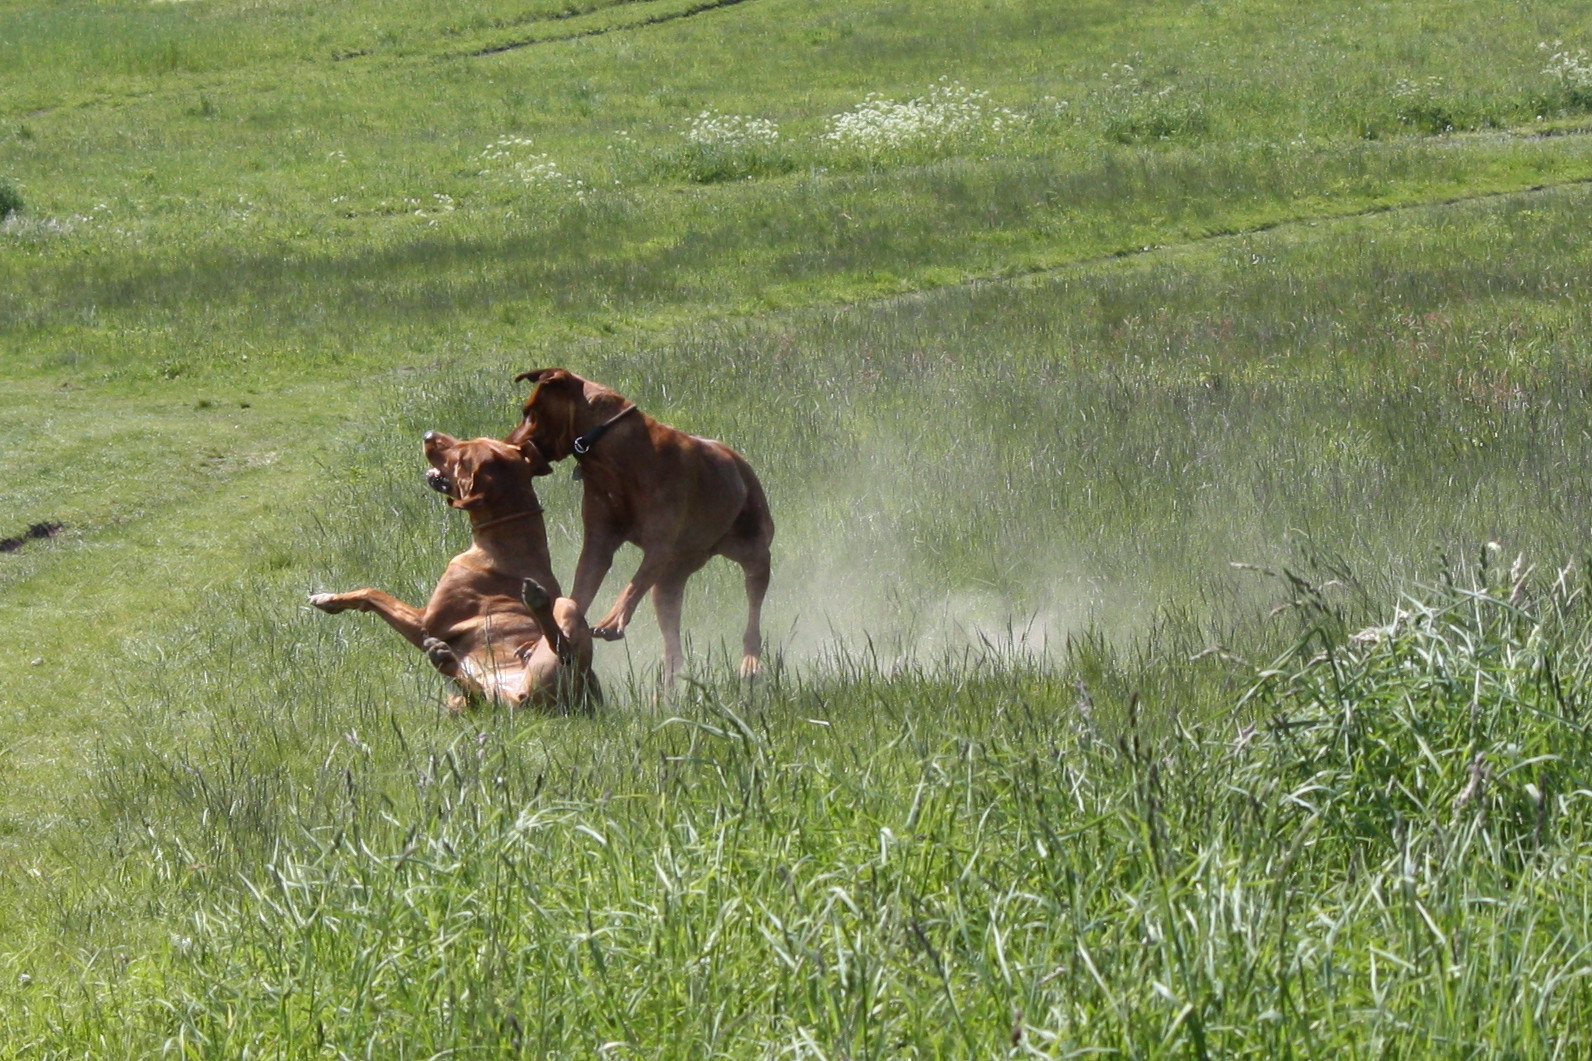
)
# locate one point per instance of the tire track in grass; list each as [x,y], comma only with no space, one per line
[78,605]
[1043,271]
[656,19]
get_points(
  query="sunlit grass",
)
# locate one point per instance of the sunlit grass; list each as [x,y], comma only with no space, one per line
[1035,321]
[947,859]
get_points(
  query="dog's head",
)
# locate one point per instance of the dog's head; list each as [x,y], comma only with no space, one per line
[549,418]
[481,473]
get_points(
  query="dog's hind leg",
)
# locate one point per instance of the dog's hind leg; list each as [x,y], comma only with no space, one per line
[748,545]
[541,606]
[449,665]
[668,601]
[441,656]
[757,570]
[558,665]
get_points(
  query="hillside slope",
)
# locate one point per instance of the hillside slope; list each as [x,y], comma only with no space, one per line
[1033,317]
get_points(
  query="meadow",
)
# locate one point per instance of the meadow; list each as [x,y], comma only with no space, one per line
[1174,420]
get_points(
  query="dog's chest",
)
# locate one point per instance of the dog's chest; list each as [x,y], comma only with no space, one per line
[603,493]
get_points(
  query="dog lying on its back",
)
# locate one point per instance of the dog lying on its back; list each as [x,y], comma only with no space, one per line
[496,624]
[681,498]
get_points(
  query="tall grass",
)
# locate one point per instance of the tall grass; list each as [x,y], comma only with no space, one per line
[1037,769]
[1377,854]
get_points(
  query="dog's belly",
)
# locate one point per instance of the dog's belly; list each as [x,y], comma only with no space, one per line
[498,673]
[489,649]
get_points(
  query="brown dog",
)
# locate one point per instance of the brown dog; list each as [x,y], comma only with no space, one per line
[491,624]
[682,499]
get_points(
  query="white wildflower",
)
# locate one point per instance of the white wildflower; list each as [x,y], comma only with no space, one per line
[1573,70]
[511,160]
[711,129]
[949,110]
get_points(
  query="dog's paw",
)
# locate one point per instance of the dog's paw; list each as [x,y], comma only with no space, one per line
[535,595]
[327,602]
[608,633]
[751,667]
[438,652]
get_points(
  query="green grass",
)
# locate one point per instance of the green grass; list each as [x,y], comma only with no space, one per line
[1153,400]
[984,858]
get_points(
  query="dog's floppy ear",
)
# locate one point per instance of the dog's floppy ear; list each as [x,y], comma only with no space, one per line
[468,496]
[549,380]
[547,415]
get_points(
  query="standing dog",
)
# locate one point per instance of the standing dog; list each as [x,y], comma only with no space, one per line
[492,624]
[682,499]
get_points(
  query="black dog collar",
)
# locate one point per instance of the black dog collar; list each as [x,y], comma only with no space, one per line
[583,443]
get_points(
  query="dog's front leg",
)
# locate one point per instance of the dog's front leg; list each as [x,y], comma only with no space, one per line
[400,616]
[596,557]
[652,572]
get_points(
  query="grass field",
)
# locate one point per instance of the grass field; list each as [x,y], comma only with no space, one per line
[1173,416]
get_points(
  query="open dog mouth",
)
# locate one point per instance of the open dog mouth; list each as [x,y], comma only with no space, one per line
[438,481]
